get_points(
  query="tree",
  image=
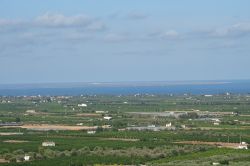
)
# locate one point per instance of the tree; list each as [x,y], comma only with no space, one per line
[18,120]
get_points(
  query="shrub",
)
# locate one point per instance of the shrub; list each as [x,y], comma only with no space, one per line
[3,151]
[12,160]
[19,151]
[224,162]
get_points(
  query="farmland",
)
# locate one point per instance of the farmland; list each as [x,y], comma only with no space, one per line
[125,129]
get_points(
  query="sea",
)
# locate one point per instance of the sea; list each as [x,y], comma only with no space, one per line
[127,88]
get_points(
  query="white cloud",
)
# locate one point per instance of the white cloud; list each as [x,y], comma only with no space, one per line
[60,20]
[55,20]
[236,30]
[171,34]
[243,26]
[7,22]
[132,15]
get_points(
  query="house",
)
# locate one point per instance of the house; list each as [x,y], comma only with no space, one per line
[48,144]
[26,158]
[31,111]
[243,145]
[101,112]
[215,119]
[82,105]
[169,124]
[145,128]
[79,124]
[106,126]
[107,117]
[124,129]
[208,95]
[91,132]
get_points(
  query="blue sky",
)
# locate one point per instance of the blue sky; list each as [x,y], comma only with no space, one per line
[123,40]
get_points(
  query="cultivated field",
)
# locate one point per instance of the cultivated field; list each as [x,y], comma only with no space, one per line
[125,130]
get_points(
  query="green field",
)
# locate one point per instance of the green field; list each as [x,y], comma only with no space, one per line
[132,136]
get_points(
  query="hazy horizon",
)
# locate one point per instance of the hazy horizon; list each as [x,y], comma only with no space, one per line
[122,84]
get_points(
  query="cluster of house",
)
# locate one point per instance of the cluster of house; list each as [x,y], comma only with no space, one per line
[216,121]
[152,127]
[44,144]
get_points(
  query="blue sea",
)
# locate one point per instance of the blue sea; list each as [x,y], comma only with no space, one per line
[74,89]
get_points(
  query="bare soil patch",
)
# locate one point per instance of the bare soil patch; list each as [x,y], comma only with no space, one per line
[15,141]
[46,127]
[121,139]
[225,128]
[89,115]
[3,161]
[218,144]
[8,133]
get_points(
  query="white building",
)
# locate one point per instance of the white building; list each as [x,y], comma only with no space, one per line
[215,120]
[48,144]
[107,117]
[101,112]
[169,124]
[79,124]
[91,132]
[82,105]
[208,95]
[243,145]
[26,158]
[31,111]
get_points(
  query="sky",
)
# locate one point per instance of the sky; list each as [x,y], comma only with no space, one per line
[123,40]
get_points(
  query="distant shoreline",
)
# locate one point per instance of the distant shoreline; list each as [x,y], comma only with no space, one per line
[128,88]
[109,84]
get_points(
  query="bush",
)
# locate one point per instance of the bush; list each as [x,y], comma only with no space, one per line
[3,151]
[7,156]
[18,152]
[49,153]
[38,156]
[12,160]
[224,162]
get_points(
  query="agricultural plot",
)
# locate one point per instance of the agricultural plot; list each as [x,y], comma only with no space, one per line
[126,130]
